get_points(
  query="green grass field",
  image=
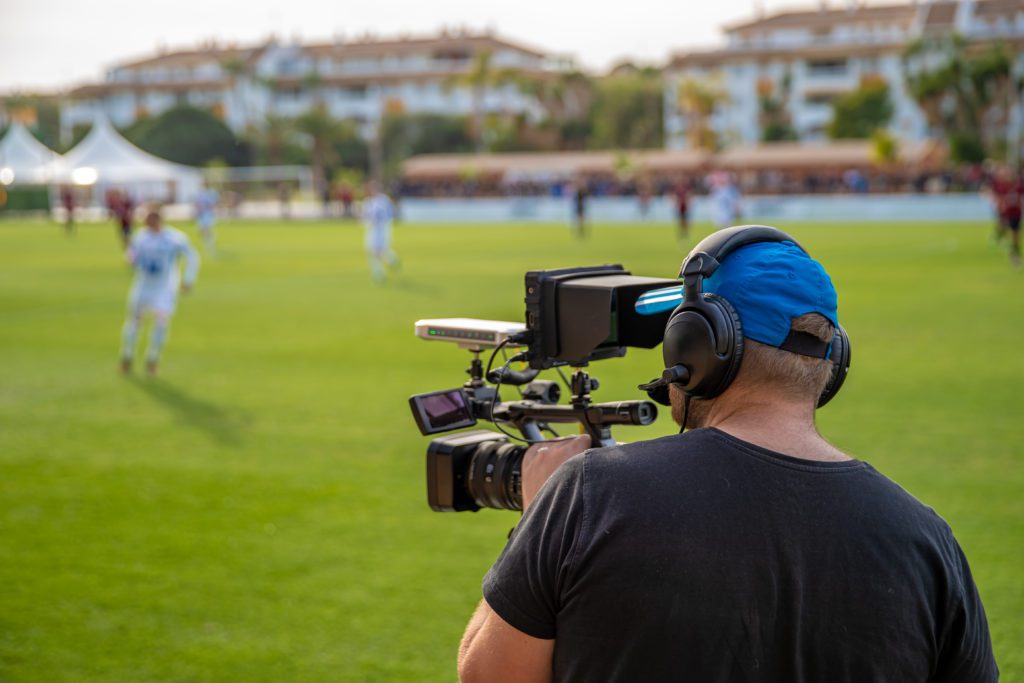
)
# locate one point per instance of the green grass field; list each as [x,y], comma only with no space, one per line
[257,513]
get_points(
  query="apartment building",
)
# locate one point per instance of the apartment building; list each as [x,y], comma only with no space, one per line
[806,59]
[354,79]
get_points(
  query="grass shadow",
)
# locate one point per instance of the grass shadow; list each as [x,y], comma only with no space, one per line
[223,255]
[424,288]
[220,424]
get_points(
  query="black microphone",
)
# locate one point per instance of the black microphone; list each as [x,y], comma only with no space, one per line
[657,388]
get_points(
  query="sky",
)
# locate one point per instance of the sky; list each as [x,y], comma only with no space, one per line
[51,45]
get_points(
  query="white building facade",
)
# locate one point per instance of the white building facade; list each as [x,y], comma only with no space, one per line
[354,80]
[806,59]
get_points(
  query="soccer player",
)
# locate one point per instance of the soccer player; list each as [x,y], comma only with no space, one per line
[67,198]
[155,253]
[206,216]
[580,193]
[725,200]
[378,213]
[1008,195]
[682,194]
[125,217]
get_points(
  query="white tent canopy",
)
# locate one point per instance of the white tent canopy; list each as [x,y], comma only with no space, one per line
[23,159]
[104,159]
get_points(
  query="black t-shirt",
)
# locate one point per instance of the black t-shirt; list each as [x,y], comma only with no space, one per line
[700,557]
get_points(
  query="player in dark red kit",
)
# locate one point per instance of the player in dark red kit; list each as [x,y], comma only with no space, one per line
[67,199]
[1008,195]
[682,193]
[125,217]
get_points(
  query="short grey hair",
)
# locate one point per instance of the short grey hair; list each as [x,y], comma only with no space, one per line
[795,374]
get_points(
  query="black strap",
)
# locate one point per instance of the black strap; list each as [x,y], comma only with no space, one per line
[805,344]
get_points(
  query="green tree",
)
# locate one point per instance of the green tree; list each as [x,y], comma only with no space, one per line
[187,135]
[46,111]
[234,67]
[78,133]
[406,135]
[860,113]
[962,92]
[627,112]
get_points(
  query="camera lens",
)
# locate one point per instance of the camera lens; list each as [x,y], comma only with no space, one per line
[494,479]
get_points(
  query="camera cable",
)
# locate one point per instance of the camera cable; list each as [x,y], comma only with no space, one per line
[565,380]
[497,387]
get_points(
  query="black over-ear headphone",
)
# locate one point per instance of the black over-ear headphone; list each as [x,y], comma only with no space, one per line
[703,343]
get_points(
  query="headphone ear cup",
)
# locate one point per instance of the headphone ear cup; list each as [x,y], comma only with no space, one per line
[730,342]
[840,366]
[706,337]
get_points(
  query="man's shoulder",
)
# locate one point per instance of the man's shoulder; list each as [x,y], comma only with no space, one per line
[691,441]
[640,457]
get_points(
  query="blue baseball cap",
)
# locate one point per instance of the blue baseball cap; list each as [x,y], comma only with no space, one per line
[768,283]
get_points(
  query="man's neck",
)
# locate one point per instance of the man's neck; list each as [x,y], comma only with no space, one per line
[772,420]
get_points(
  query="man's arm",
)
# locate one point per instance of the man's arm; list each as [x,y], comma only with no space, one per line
[491,650]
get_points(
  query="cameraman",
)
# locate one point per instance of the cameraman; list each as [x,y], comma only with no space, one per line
[748,548]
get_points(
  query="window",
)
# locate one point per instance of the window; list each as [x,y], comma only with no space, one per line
[821,98]
[451,54]
[826,67]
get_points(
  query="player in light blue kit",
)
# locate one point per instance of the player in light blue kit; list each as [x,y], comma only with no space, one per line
[155,253]
[206,215]
[725,200]
[378,212]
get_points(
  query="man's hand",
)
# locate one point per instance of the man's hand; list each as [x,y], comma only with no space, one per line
[542,459]
[185,288]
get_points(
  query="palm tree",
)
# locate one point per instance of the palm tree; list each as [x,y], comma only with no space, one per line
[564,97]
[481,76]
[697,102]
[275,138]
[237,68]
[314,83]
[323,131]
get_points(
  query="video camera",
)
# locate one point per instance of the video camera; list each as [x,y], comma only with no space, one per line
[573,316]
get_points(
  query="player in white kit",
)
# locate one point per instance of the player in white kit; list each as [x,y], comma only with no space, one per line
[378,212]
[155,253]
[725,200]
[206,215]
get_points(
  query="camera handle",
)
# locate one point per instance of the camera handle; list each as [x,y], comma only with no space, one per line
[582,384]
[475,386]
[595,418]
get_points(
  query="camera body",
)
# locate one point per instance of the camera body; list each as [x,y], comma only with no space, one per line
[574,316]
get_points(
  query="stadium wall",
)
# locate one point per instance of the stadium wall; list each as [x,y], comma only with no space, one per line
[822,208]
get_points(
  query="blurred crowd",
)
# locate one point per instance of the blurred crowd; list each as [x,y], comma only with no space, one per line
[971,178]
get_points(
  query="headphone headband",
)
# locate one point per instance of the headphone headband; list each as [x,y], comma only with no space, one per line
[706,256]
